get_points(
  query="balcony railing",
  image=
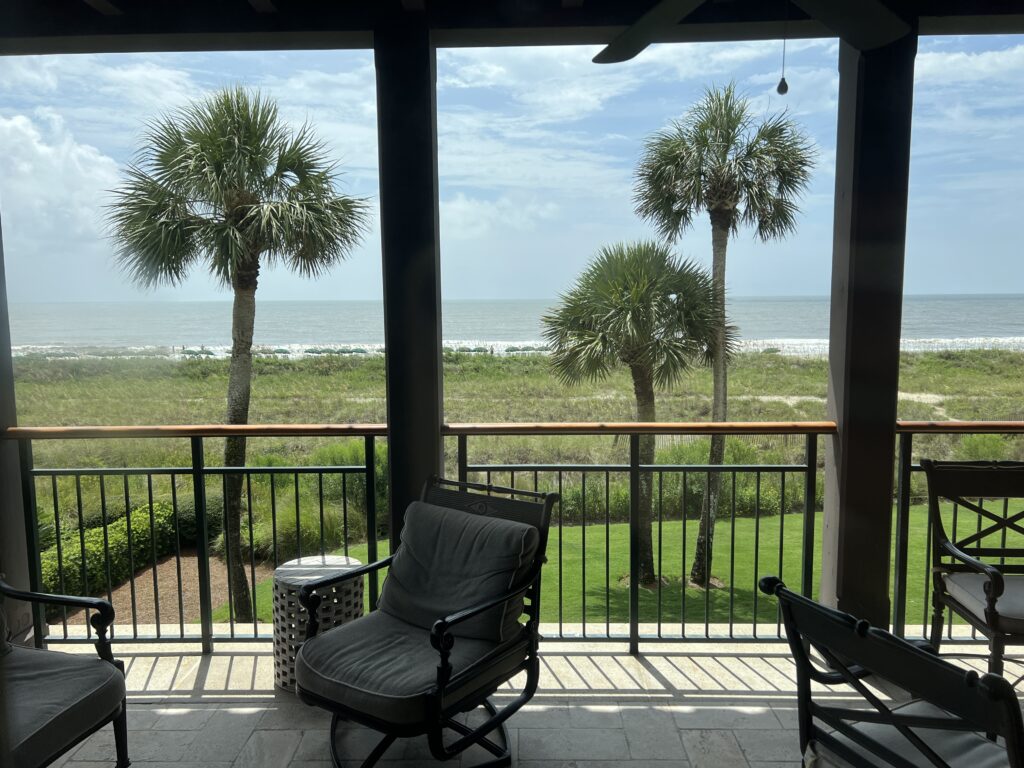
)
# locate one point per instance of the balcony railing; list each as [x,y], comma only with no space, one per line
[136,534]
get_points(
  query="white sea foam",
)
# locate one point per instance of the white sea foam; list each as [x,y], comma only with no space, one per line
[792,347]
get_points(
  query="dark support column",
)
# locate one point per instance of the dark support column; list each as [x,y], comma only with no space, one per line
[407,137]
[13,556]
[876,90]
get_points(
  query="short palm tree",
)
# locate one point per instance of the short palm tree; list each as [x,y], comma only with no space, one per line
[639,306]
[226,184]
[720,160]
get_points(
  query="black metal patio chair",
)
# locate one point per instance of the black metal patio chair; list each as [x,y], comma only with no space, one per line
[941,723]
[979,571]
[448,628]
[51,701]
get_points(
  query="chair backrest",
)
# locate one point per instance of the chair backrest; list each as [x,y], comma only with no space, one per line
[980,501]
[852,648]
[529,507]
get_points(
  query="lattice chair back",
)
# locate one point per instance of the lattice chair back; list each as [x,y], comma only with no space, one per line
[978,507]
[950,709]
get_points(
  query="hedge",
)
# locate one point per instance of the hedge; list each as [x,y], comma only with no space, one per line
[120,558]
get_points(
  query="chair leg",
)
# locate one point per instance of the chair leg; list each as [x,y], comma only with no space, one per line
[121,738]
[996,648]
[502,752]
[375,755]
[937,625]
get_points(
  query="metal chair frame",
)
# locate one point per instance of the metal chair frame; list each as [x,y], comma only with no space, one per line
[855,651]
[967,484]
[441,715]
[101,621]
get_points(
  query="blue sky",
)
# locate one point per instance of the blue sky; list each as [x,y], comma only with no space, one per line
[537,149]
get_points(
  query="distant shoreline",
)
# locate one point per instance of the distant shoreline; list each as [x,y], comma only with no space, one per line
[787,347]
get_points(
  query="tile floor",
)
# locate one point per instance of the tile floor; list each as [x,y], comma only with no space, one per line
[705,706]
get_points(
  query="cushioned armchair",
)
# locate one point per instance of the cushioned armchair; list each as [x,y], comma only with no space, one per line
[51,701]
[448,629]
[977,567]
[939,719]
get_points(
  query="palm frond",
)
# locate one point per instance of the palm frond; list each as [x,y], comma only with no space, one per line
[637,305]
[227,181]
[720,160]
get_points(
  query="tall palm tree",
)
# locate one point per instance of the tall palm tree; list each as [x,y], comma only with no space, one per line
[720,160]
[226,184]
[639,306]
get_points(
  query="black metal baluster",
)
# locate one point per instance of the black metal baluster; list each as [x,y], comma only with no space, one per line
[106,541]
[298,521]
[227,551]
[810,492]
[177,554]
[683,578]
[152,549]
[344,514]
[273,516]
[252,554]
[757,541]
[782,543]
[561,632]
[607,554]
[131,553]
[60,552]
[583,551]
[202,544]
[320,494]
[732,555]
[81,541]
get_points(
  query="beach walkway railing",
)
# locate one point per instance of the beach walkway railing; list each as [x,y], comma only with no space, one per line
[149,537]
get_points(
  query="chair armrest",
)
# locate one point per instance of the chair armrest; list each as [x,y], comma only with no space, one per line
[101,620]
[441,626]
[994,586]
[443,641]
[309,600]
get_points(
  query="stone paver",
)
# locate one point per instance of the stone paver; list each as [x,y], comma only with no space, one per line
[595,709]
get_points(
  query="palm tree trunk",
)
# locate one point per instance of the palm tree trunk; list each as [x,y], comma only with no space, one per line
[700,573]
[643,388]
[243,318]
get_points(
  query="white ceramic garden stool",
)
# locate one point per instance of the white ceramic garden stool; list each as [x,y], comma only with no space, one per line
[341,603]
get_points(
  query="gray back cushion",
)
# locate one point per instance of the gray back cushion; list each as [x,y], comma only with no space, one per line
[450,560]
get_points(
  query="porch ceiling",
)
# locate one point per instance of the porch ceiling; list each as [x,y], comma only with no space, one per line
[52,26]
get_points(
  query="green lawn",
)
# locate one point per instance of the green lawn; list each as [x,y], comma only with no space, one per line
[606,595]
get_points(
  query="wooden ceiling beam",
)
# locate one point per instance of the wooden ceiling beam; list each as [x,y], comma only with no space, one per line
[105,7]
[263,6]
[864,24]
[642,33]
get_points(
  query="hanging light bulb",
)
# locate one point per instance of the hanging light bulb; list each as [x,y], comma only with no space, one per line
[783,87]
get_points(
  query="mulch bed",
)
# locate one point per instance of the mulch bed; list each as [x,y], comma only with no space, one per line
[172,611]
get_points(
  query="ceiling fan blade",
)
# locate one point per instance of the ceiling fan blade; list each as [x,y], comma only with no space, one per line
[637,37]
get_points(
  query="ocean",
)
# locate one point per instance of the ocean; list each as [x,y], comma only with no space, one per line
[791,325]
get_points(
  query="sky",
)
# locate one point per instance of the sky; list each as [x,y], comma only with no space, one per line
[537,149]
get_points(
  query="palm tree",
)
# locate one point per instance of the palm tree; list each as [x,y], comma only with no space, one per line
[720,160]
[636,305]
[226,184]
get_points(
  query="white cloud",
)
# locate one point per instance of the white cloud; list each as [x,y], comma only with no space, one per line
[52,190]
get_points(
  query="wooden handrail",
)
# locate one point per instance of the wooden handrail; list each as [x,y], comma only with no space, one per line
[351,430]
[960,427]
[507,428]
[647,428]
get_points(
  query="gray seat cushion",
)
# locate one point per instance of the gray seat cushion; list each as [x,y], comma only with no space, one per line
[450,560]
[968,589]
[383,667]
[960,749]
[53,699]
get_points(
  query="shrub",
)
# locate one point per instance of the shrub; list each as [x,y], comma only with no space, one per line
[187,530]
[121,558]
[982,448]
